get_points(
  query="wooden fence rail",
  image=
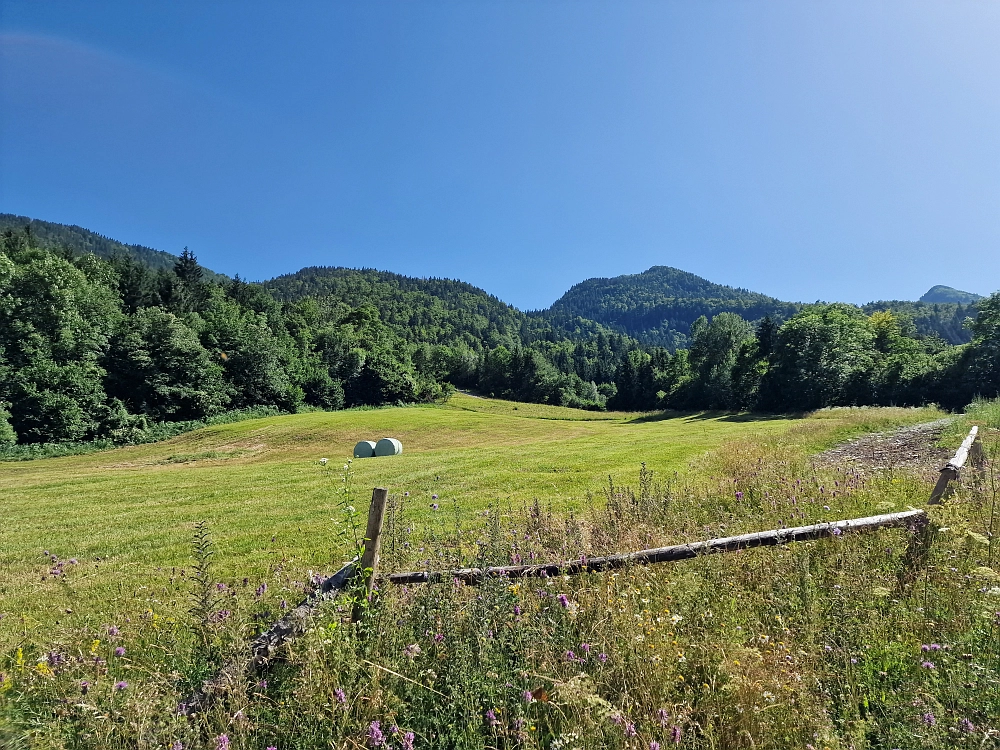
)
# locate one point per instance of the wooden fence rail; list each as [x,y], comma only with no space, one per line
[970,450]
[673,553]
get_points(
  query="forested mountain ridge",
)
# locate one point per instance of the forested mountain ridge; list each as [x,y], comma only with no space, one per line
[659,305]
[428,310]
[949,295]
[79,240]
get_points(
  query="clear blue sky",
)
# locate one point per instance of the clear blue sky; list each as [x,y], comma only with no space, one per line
[809,150]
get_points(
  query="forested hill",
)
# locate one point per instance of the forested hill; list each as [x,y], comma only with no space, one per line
[658,306]
[429,310]
[83,241]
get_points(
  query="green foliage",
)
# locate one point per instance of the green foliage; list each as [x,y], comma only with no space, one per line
[659,306]
[7,435]
[157,367]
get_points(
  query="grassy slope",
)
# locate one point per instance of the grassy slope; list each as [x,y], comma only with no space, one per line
[253,481]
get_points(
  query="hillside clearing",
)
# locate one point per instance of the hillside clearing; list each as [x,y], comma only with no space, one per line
[127,515]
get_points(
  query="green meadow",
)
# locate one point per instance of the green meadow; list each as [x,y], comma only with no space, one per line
[126,516]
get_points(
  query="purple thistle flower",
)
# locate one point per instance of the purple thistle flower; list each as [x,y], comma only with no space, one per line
[925,648]
[630,729]
[929,719]
[564,600]
[927,665]
[517,610]
[113,631]
[569,656]
[491,717]
[527,697]
[603,658]
[675,735]
[966,726]
[222,587]
[375,736]
[222,742]
[585,648]
[340,695]
[261,590]
[84,687]
[178,745]
[663,717]
[412,651]
[739,495]
[438,637]
[408,738]
[654,745]
[121,685]
[120,651]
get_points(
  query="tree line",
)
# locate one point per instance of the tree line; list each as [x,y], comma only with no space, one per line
[104,348]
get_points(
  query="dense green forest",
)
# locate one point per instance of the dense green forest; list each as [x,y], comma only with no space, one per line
[657,307]
[108,347]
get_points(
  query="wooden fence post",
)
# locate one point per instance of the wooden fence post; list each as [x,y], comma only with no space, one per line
[368,565]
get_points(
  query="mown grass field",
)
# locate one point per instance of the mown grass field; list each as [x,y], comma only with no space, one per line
[127,515]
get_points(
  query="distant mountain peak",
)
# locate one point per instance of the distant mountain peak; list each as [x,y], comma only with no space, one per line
[941,294]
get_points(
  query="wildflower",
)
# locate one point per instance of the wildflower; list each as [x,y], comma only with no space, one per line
[739,495]
[261,590]
[283,605]
[434,506]
[323,461]
[222,742]
[375,736]
[178,745]
[569,656]
[221,587]
[654,745]
[966,726]
[630,729]
[113,631]
[837,532]
[408,738]
[340,695]
[121,685]
[564,600]
[927,665]
[406,494]
[438,637]
[262,684]
[929,719]
[527,697]
[411,651]
[517,610]
[663,717]
[120,651]
[675,735]
[491,717]
[602,658]
[585,648]
[84,687]
[434,497]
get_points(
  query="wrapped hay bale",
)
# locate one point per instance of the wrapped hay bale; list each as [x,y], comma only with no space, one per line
[364,449]
[388,447]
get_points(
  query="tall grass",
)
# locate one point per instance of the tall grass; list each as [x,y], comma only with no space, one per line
[885,640]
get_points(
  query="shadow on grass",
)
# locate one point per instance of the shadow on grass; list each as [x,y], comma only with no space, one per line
[719,416]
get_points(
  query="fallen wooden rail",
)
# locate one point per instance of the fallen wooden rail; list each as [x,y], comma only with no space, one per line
[674,553]
[970,448]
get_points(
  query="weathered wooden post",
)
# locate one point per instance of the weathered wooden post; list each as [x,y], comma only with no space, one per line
[368,565]
[952,469]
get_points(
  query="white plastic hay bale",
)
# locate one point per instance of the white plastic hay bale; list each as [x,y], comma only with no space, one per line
[388,447]
[364,449]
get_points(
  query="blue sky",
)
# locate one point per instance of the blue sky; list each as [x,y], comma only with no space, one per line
[838,151]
